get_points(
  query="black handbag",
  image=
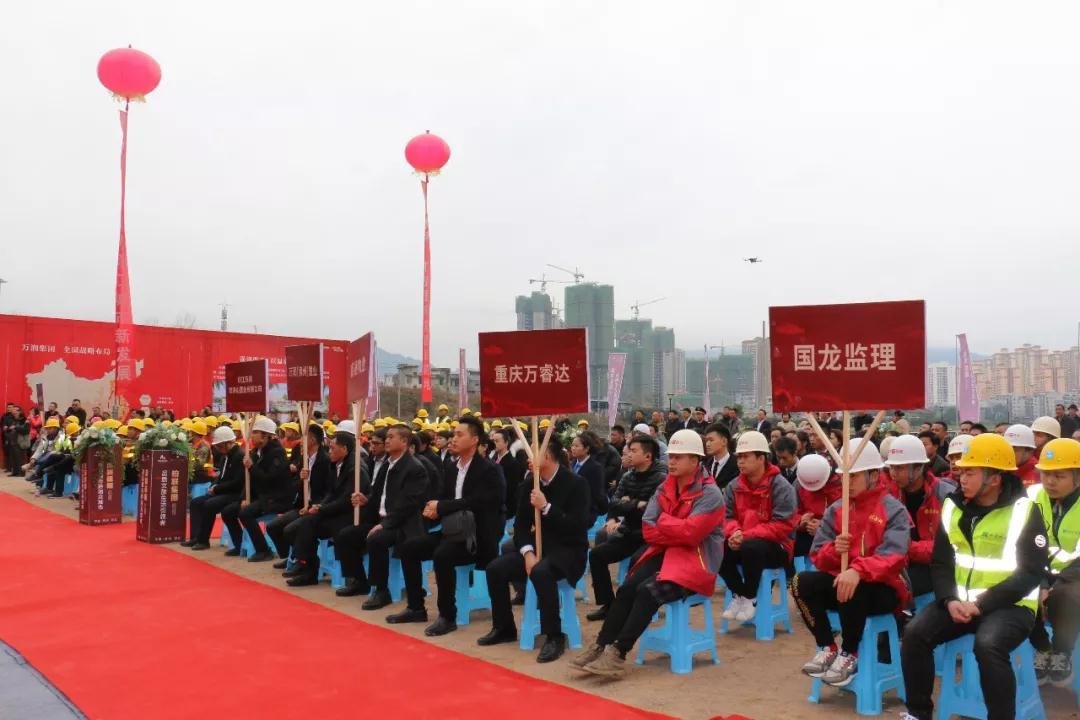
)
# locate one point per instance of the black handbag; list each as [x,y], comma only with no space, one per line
[460,527]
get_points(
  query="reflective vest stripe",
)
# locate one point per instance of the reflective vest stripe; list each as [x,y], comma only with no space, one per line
[1068,533]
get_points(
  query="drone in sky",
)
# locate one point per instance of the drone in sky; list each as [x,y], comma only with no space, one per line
[753,260]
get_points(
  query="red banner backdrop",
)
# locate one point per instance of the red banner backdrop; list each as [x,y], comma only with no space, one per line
[303,366]
[859,356]
[174,368]
[534,372]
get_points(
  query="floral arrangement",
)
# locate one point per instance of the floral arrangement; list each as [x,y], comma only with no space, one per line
[95,438]
[172,439]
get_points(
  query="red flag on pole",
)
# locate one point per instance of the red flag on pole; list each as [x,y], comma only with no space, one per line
[125,328]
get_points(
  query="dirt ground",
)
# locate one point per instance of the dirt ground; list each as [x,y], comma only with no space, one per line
[760,680]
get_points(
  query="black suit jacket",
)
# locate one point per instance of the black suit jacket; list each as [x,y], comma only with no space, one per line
[230,472]
[514,472]
[764,427]
[337,499]
[593,474]
[406,488]
[727,473]
[319,479]
[482,494]
[270,478]
[565,527]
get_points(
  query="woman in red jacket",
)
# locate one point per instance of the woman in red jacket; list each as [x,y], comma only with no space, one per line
[877,542]
[684,546]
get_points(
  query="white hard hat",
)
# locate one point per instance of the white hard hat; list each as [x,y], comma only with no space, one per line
[868,459]
[222,434]
[1020,436]
[264,424]
[959,444]
[751,441]
[886,445]
[347,426]
[907,450]
[1048,425]
[686,442]
[643,429]
[813,472]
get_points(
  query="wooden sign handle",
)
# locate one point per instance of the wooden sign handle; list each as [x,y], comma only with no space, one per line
[303,412]
[245,433]
[359,408]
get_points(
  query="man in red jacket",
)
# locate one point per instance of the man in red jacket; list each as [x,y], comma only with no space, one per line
[922,494]
[1022,440]
[760,520]
[879,533]
[684,546]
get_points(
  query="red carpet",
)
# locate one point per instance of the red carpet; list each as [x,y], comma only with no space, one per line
[129,630]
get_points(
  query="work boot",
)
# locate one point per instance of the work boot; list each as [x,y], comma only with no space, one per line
[610,664]
[819,663]
[586,656]
[380,599]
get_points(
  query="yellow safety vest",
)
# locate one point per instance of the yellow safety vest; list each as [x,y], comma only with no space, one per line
[1062,545]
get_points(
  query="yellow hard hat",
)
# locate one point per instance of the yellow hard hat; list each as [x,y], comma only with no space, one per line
[122,430]
[52,422]
[223,418]
[149,422]
[367,427]
[331,429]
[167,423]
[523,426]
[454,424]
[443,408]
[71,419]
[185,424]
[422,413]
[583,423]
[544,424]
[72,429]
[466,411]
[989,450]
[1059,454]
[379,424]
[477,415]
[235,425]
[97,424]
[137,423]
[198,427]
[111,423]
[496,423]
[211,422]
[295,427]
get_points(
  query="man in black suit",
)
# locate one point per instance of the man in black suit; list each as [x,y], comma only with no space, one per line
[318,470]
[390,516]
[720,463]
[226,488]
[762,424]
[563,502]
[328,513]
[469,485]
[272,490]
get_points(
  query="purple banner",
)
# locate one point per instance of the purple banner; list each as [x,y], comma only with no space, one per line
[463,381]
[616,366]
[967,394]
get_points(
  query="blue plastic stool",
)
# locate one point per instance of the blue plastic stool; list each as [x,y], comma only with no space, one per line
[678,639]
[582,587]
[396,580]
[199,489]
[530,622]
[624,568]
[768,612]
[470,597]
[328,564]
[875,678]
[803,564]
[964,698]
[247,548]
[596,527]
[71,484]
[129,499]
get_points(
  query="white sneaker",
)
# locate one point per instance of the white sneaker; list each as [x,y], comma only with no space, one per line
[842,671]
[747,612]
[731,610]
[820,663]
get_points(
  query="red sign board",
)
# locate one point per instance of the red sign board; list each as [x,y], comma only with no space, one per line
[304,372]
[359,369]
[163,497]
[858,356]
[245,386]
[99,487]
[534,372]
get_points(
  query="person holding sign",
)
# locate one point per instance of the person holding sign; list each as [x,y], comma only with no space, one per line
[988,560]
[271,490]
[317,473]
[227,487]
[879,532]
[682,527]
[760,524]
[563,501]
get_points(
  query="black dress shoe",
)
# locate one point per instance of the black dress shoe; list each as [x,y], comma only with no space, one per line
[187,543]
[553,649]
[200,546]
[379,600]
[302,580]
[261,557]
[233,552]
[518,599]
[408,615]
[498,636]
[281,565]
[599,613]
[441,626]
[353,587]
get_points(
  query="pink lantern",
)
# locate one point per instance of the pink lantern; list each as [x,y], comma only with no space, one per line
[427,153]
[130,74]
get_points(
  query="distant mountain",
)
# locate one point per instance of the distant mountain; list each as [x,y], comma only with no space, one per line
[387,362]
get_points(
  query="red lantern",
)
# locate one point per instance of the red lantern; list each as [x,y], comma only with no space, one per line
[129,74]
[427,153]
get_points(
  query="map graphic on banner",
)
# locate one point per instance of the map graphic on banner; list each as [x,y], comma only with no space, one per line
[63,382]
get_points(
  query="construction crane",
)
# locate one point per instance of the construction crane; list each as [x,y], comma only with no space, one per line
[636,307]
[578,275]
[544,282]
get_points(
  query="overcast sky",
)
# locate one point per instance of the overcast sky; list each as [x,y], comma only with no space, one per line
[864,150]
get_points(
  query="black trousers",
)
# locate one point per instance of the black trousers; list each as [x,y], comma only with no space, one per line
[304,534]
[234,516]
[612,550]
[510,567]
[350,545]
[633,608]
[276,530]
[754,555]
[815,595]
[996,635]
[447,556]
[920,579]
[1063,612]
[201,512]
[412,554]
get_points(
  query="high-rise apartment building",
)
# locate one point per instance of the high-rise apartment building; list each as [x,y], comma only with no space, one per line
[592,306]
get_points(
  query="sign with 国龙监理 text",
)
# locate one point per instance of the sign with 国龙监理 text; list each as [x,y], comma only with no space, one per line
[534,372]
[848,357]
